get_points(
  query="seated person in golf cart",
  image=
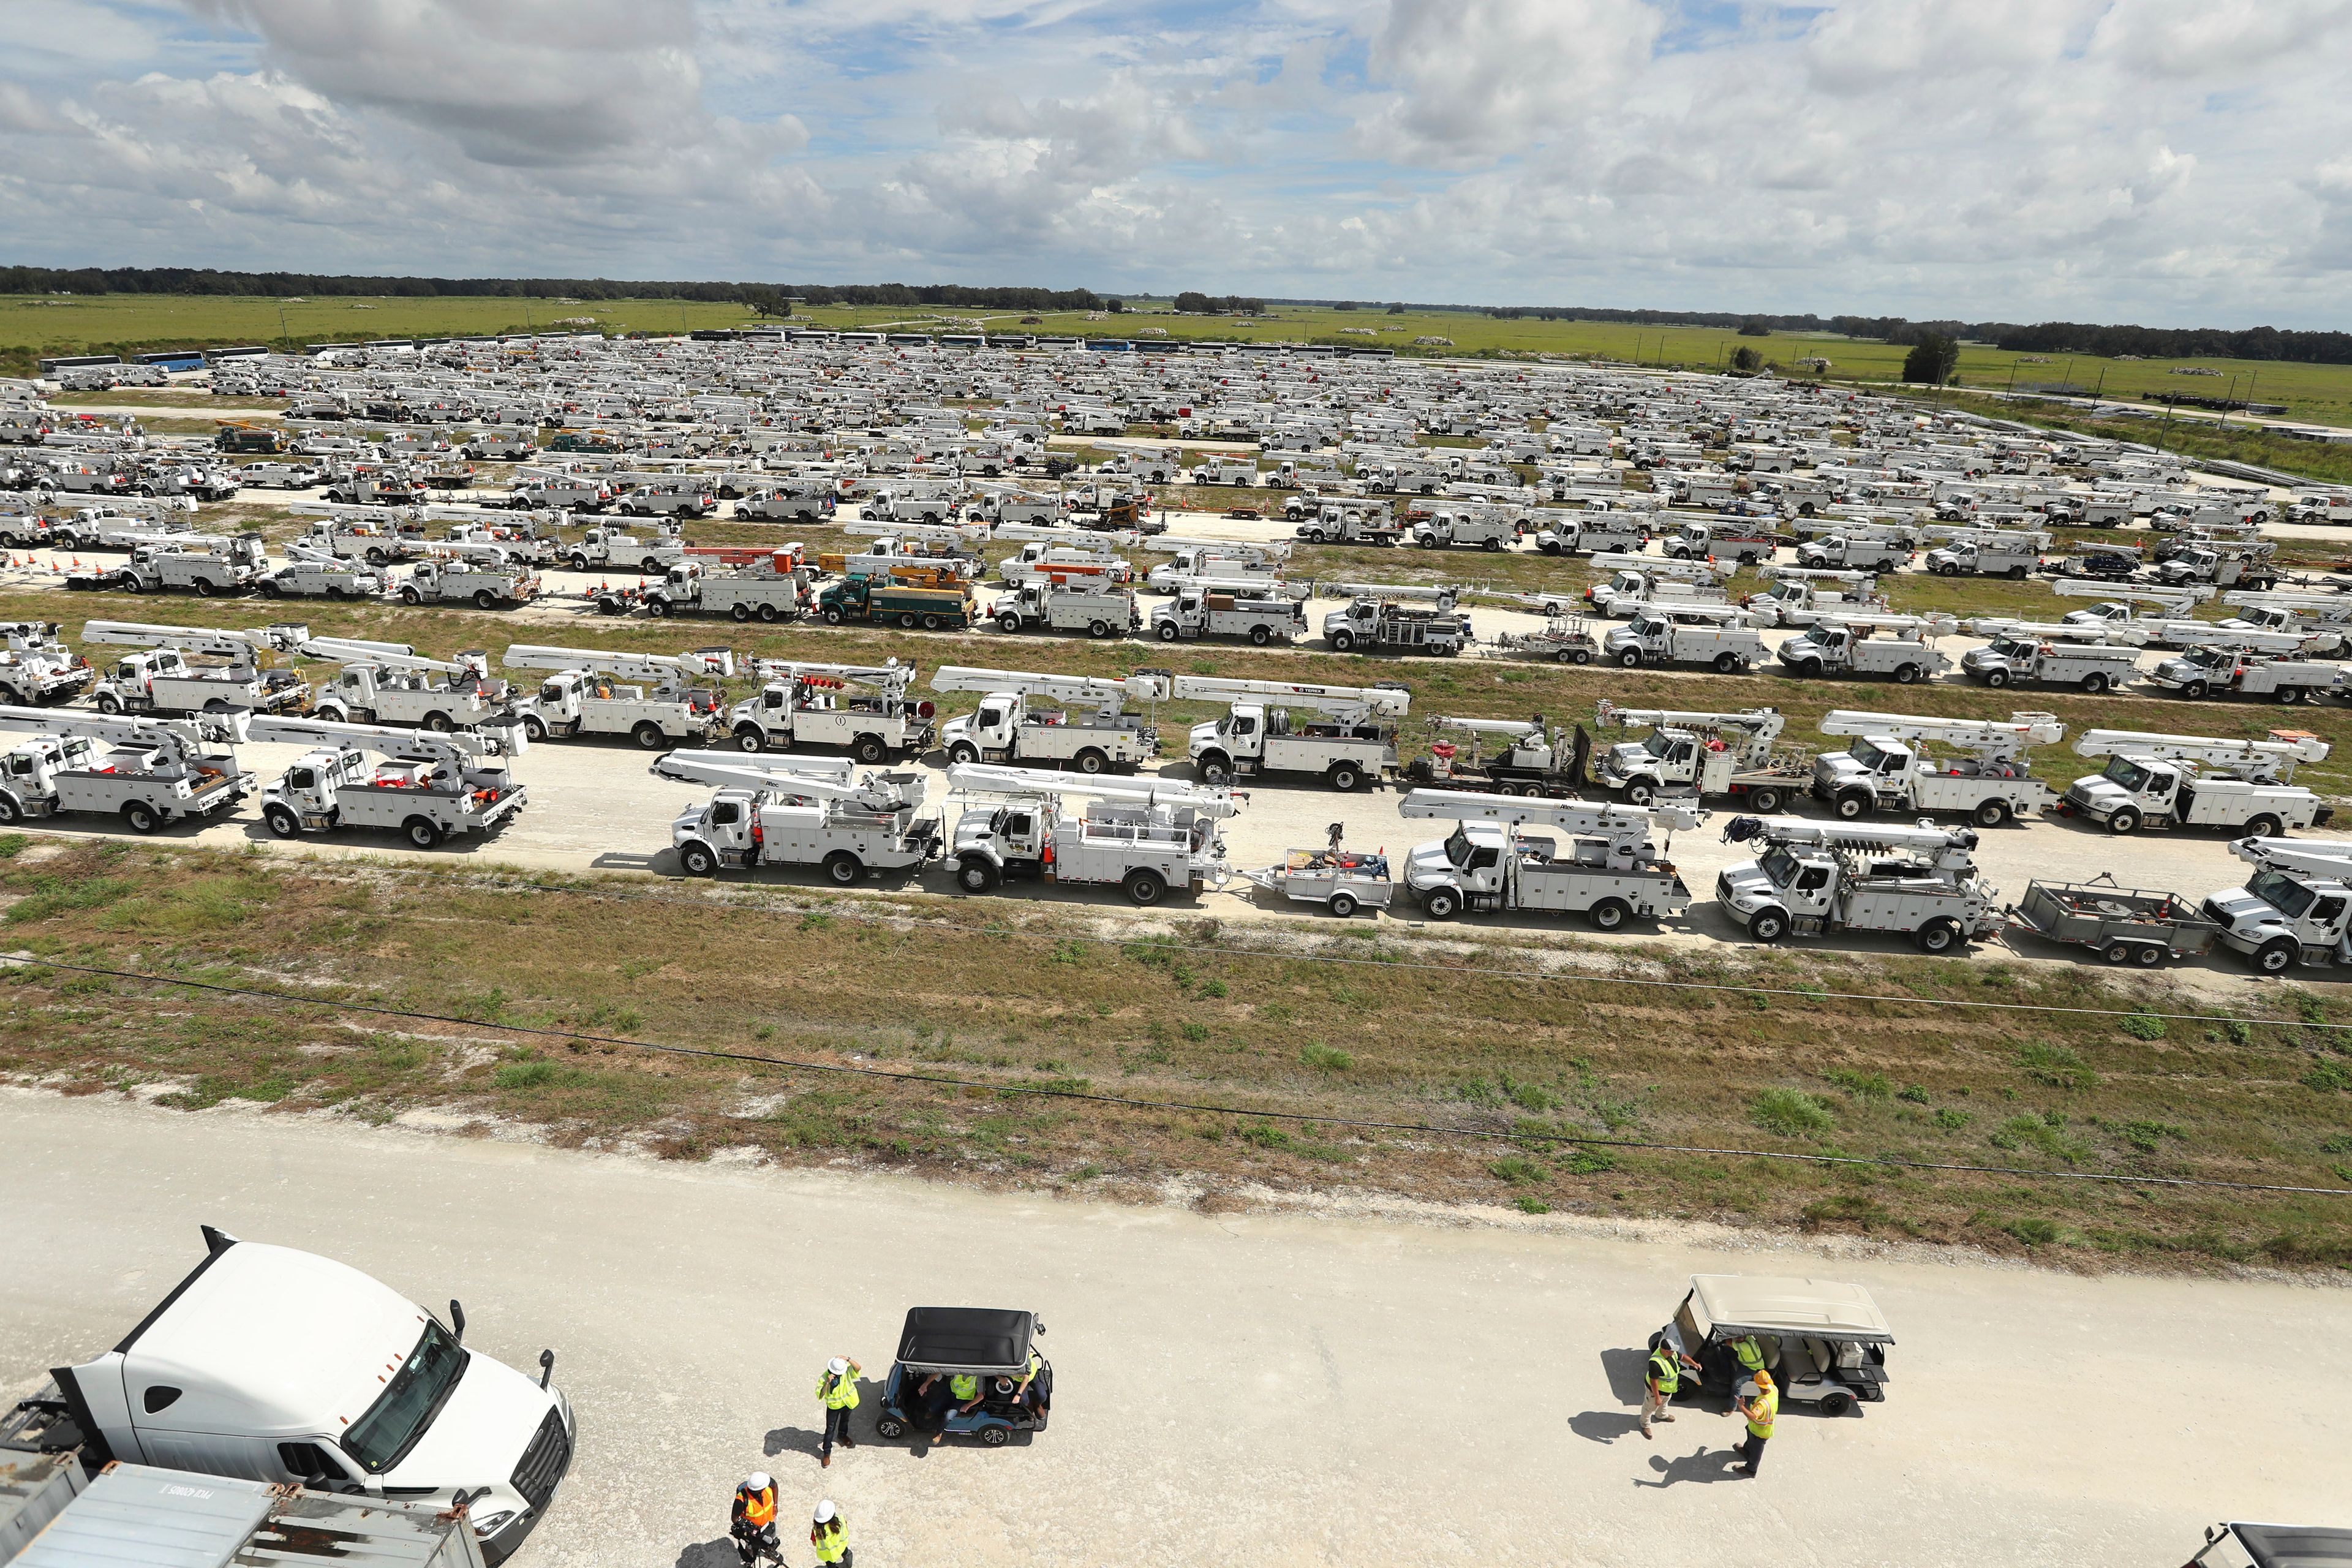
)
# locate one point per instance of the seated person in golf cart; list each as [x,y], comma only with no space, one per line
[1824,1342]
[967,1371]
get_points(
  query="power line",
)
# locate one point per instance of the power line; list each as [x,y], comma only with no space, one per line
[1048,1091]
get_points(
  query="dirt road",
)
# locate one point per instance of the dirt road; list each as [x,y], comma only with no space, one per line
[1350,1389]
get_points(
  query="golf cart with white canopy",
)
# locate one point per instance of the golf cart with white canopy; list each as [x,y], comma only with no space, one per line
[1822,1341]
[991,1346]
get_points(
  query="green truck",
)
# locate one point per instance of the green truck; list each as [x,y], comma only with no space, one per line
[871,599]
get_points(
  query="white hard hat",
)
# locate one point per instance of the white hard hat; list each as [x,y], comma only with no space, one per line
[838,1366]
[824,1511]
[757,1482]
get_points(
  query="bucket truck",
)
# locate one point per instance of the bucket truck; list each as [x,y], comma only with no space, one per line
[203,564]
[1870,547]
[772,587]
[606,546]
[2152,614]
[1260,609]
[2324,618]
[1609,872]
[1799,595]
[1213,558]
[451,575]
[862,706]
[1698,754]
[1346,523]
[1378,617]
[1488,528]
[1990,552]
[162,680]
[1596,531]
[585,695]
[1850,642]
[429,786]
[1353,742]
[363,533]
[2094,658]
[36,667]
[1639,580]
[148,771]
[2196,781]
[2296,908]
[392,683]
[800,811]
[1063,557]
[2248,664]
[1058,601]
[1717,636]
[1814,879]
[314,574]
[1887,769]
[1735,539]
[1536,759]
[1009,729]
[1146,837]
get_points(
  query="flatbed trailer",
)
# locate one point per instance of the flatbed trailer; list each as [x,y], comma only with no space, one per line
[2123,925]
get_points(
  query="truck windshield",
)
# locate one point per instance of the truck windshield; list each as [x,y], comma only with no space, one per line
[1657,743]
[1779,865]
[2283,893]
[1457,848]
[2128,773]
[392,1424]
[1873,758]
[2009,647]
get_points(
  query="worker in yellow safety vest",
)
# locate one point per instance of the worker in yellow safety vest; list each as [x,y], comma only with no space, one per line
[753,1520]
[837,1388]
[1663,1378]
[1760,1402]
[829,1535]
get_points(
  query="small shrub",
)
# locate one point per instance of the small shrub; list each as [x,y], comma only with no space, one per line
[2033,1230]
[1212,988]
[2056,1066]
[1861,1085]
[2339,1144]
[1952,1121]
[1583,1162]
[2235,1031]
[1533,1096]
[1791,1113]
[2144,1135]
[526,1075]
[1266,1135]
[12,844]
[2143,1026]
[1195,1031]
[1916,1093]
[1327,1059]
[2328,1076]
[1518,1169]
[1525,1204]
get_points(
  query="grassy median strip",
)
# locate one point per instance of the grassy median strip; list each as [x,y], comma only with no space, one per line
[1266,1026]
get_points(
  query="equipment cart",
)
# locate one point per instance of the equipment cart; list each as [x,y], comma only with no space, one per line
[2123,925]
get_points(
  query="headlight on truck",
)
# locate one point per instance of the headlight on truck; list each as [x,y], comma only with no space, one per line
[491,1523]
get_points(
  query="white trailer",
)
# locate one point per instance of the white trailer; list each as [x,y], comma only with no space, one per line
[586,695]
[1717,636]
[1084,603]
[1145,836]
[392,683]
[801,811]
[148,771]
[1888,769]
[1341,880]
[1352,743]
[2296,907]
[429,786]
[163,681]
[1853,643]
[862,706]
[2159,782]
[2023,652]
[1611,872]
[1814,879]
[1009,728]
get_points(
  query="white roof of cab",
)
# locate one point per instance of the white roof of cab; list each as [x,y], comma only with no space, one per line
[1783,1306]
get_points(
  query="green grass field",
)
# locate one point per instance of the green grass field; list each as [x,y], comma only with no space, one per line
[35,325]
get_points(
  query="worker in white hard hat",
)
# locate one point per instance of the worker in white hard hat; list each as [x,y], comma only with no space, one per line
[754,1523]
[837,1388]
[829,1534]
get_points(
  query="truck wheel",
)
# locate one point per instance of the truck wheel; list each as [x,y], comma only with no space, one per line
[1724,663]
[376,557]
[2149,954]
[421,832]
[751,737]
[1344,777]
[2287,696]
[128,583]
[1097,630]
[1938,936]
[1342,904]
[411,596]
[1343,641]
[2093,683]
[648,735]
[1216,771]
[931,623]
[534,728]
[1992,813]
[831,614]
[976,874]
[844,868]
[141,816]
[1631,658]
[2016,573]
[1906,675]
[1855,803]
[108,702]
[867,749]
[1609,914]
[1441,903]
[767,614]
[2265,825]
[485,600]
[1766,800]
[2275,957]
[2117,952]
[1091,761]
[1637,791]
[9,811]
[1168,632]
[741,612]
[1996,678]
[2123,822]
[964,753]
[1768,925]
[658,608]
[270,590]
[1144,887]
[579,561]
[1947,571]
[909,620]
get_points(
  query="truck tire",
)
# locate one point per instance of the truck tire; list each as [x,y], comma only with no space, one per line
[1609,914]
[1343,641]
[2287,696]
[831,614]
[421,832]
[648,735]
[656,608]
[751,737]
[2123,822]
[376,557]
[2274,957]
[9,810]
[1996,678]
[1766,800]
[741,612]
[1441,903]
[1855,803]
[1768,925]
[868,749]
[1637,791]
[1216,769]
[1810,670]
[2093,683]
[844,868]
[1091,762]
[1143,887]
[976,874]
[108,702]
[1097,630]
[140,816]
[1907,675]
[962,754]
[1167,629]
[1992,813]
[2017,574]
[1013,624]
[411,596]
[2264,826]
[270,590]
[485,600]
[1342,904]
[1947,571]
[128,583]
[931,623]
[579,561]
[1491,544]
[1631,658]
[534,728]
[1344,777]
[1724,663]
[1938,936]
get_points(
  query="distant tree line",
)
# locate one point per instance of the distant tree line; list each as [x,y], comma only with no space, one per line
[1192,302]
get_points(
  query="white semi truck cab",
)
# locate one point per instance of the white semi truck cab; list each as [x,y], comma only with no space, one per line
[282,1366]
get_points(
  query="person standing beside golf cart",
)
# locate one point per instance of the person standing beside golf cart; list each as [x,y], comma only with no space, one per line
[837,1387]
[1760,1402]
[1664,1378]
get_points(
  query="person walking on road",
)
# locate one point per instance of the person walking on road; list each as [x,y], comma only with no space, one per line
[837,1387]
[1664,1378]
[829,1535]
[1760,1402]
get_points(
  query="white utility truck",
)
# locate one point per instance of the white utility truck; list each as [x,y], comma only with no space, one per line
[1988,552]
[36,667]
[1638,580]
[1259,609]
[2093,658]
[311,573]
[1817,878]
[2196,781]
[163,681]
[1609,872]
[1855,643]
[392,683]
[428,785]
[772,587]
[801,811]
[1717,636]
[1389,618]
[1148,837]
[148,771]
[2250,664]
[1886,768]
[862,706]
[1799,595]
[2296,908]
[645,696]
[451,578]
[1056,601]
[1698,755]
[1353,742]
[1010,728]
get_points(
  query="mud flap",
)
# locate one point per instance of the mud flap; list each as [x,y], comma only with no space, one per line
[1579,753]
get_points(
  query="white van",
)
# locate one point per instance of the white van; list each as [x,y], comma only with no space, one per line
[285,1367]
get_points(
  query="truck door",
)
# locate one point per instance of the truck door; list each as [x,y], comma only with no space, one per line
[1811,891]
[729,832]
[2322,925]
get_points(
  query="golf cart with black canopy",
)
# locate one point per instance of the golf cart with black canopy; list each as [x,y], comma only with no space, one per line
[990,1347]
[2274,1546]
[1824,1342]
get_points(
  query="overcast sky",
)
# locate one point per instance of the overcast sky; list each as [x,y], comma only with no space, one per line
[2171,162]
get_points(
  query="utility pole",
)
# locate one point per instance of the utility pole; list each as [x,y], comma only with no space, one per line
[2012,376]
[2229,397]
